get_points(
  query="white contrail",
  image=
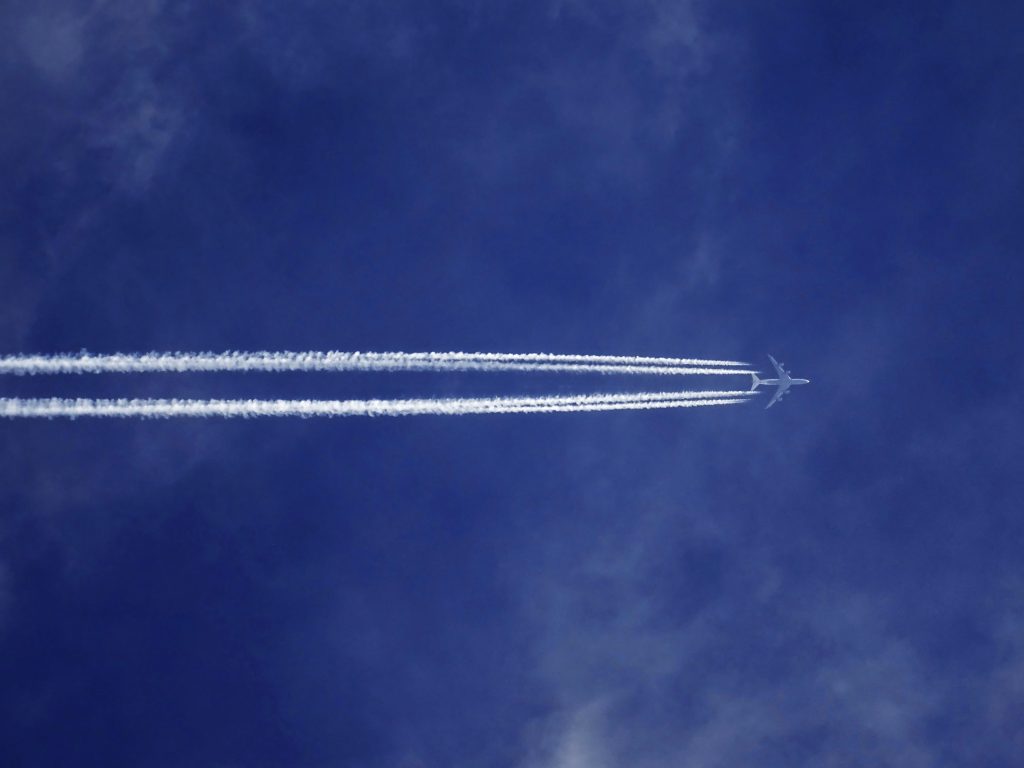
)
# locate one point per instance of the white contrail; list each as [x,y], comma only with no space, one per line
[149,408]
[543,357]
[180,362]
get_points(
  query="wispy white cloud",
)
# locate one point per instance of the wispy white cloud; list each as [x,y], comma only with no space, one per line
[577,739]
[53,41]
[866,695]
[138,127]
[112,70]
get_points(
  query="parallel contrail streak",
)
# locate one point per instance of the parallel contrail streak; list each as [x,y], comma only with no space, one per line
[542,357]
[180,362]
[154,409]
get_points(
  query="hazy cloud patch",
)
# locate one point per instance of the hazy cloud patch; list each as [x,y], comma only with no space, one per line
[54,43]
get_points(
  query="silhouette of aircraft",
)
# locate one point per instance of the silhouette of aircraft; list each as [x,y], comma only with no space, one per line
[782,382]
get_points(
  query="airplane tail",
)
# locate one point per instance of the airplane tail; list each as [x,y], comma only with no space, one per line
[756,382]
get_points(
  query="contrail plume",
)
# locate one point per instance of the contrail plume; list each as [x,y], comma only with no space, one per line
[181,362]
[541,357]
[155,409]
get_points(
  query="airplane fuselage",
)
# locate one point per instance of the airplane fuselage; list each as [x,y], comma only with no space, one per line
[783,382]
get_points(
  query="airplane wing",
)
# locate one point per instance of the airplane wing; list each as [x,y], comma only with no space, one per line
[779,370]
[775,398]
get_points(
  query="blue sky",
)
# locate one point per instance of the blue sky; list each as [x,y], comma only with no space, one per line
[836,581]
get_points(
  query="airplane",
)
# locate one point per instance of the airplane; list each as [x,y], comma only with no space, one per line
[783,381]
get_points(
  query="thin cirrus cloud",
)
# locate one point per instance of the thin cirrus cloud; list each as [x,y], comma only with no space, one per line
[113,71]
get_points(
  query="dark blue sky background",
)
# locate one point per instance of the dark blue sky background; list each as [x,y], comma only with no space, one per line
[836,581]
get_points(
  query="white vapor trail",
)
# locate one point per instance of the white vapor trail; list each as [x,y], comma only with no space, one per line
[156,409]
[180,362]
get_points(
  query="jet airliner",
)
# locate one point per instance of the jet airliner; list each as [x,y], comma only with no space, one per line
[782,382]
